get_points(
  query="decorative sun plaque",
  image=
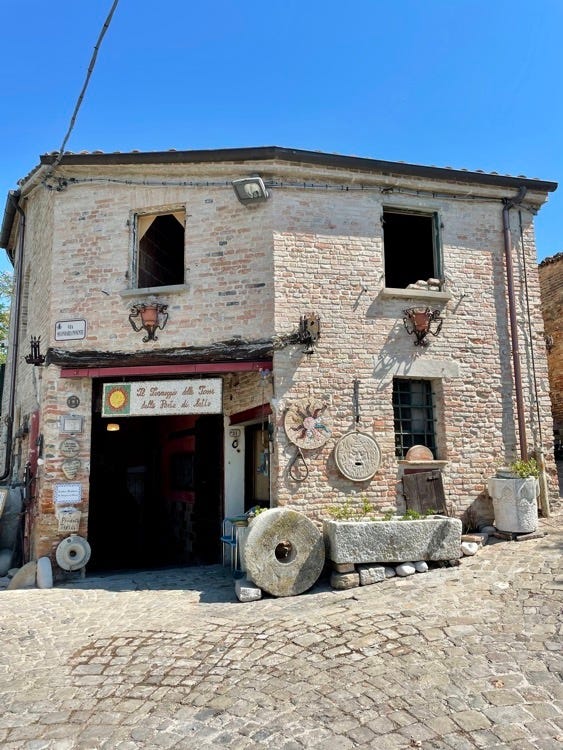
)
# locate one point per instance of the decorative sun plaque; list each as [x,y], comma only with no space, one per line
[305,423]
[357,456]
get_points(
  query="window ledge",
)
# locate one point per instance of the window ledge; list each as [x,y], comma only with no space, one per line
[415,294]
[434,464]
[154,290]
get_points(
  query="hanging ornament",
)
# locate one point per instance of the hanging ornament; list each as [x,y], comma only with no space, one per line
[306,427]
[357,456]
[306,423]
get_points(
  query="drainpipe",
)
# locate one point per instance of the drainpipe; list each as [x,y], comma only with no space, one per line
[15,323]
[508,204]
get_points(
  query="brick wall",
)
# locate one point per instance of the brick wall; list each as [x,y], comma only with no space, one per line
[251,273]
[328,248]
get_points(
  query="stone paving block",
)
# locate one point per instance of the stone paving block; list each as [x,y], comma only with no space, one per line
[343,581]
[371,574]
[247,591]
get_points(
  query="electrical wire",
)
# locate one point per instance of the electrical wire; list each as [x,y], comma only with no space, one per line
[63,182]
[89,72]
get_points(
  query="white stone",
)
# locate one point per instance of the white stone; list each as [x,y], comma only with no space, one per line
[371,574]
[247,591]
[405,569]
[421,566]
[469,548]
[44,573]
[390,572]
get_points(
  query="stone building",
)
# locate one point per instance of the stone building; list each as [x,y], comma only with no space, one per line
[551,286]
[228,328]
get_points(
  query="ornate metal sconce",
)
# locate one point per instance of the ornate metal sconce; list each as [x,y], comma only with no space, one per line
[422,322]
[35,357]
[309,331]
[152,316]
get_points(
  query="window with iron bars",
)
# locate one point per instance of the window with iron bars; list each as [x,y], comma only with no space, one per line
[413,409]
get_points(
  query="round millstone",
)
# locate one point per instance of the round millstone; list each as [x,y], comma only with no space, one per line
[284,552]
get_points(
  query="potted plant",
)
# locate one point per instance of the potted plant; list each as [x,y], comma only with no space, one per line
[514,492]
[363,538]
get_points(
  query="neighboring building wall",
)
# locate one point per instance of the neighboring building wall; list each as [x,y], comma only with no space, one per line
[551,282]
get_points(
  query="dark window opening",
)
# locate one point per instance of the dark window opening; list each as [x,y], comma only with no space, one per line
[160,250]
[414,415]
[410,243]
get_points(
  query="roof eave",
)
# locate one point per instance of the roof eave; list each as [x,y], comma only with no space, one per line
[8,222]
[262,153]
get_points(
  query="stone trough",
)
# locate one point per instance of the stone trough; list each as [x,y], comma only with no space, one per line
[433,538]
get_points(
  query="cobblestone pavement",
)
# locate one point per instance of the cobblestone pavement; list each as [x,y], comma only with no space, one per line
[466,657]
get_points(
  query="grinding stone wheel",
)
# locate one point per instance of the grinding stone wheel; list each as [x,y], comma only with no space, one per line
[73,553]
[284,552]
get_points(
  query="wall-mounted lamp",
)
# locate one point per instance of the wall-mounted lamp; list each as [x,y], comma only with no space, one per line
[309,331]
[250,190]
[152,315]
[422,322]
[112,427]
[35,357]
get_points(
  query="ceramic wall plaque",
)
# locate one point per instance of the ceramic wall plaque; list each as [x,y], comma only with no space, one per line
[357,456]
[69,447]
[70,467]
[306,423]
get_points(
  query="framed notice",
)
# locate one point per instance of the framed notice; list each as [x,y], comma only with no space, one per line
[67,493]
[156,397]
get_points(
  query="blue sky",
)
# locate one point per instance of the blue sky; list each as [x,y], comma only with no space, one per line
[462,83]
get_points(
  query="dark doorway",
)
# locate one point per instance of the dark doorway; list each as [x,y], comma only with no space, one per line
[155,491]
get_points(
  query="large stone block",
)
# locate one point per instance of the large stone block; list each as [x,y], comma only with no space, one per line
[434,538]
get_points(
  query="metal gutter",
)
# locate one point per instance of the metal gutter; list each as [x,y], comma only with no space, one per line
[263,153]
[15,327]
[8,221]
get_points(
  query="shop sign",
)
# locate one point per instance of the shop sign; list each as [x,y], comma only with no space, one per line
[67,493]
[70,330]
[160,397]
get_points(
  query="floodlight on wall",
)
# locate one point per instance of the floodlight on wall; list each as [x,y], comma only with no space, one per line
[152,315]
[421,322]
[112,427]
[250,190]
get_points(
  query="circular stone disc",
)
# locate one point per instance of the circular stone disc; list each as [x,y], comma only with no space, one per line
[284,552]
[357,456]
[73,553]
[306,424]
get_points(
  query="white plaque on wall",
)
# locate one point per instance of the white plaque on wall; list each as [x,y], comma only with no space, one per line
[67,493]
[70,330]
